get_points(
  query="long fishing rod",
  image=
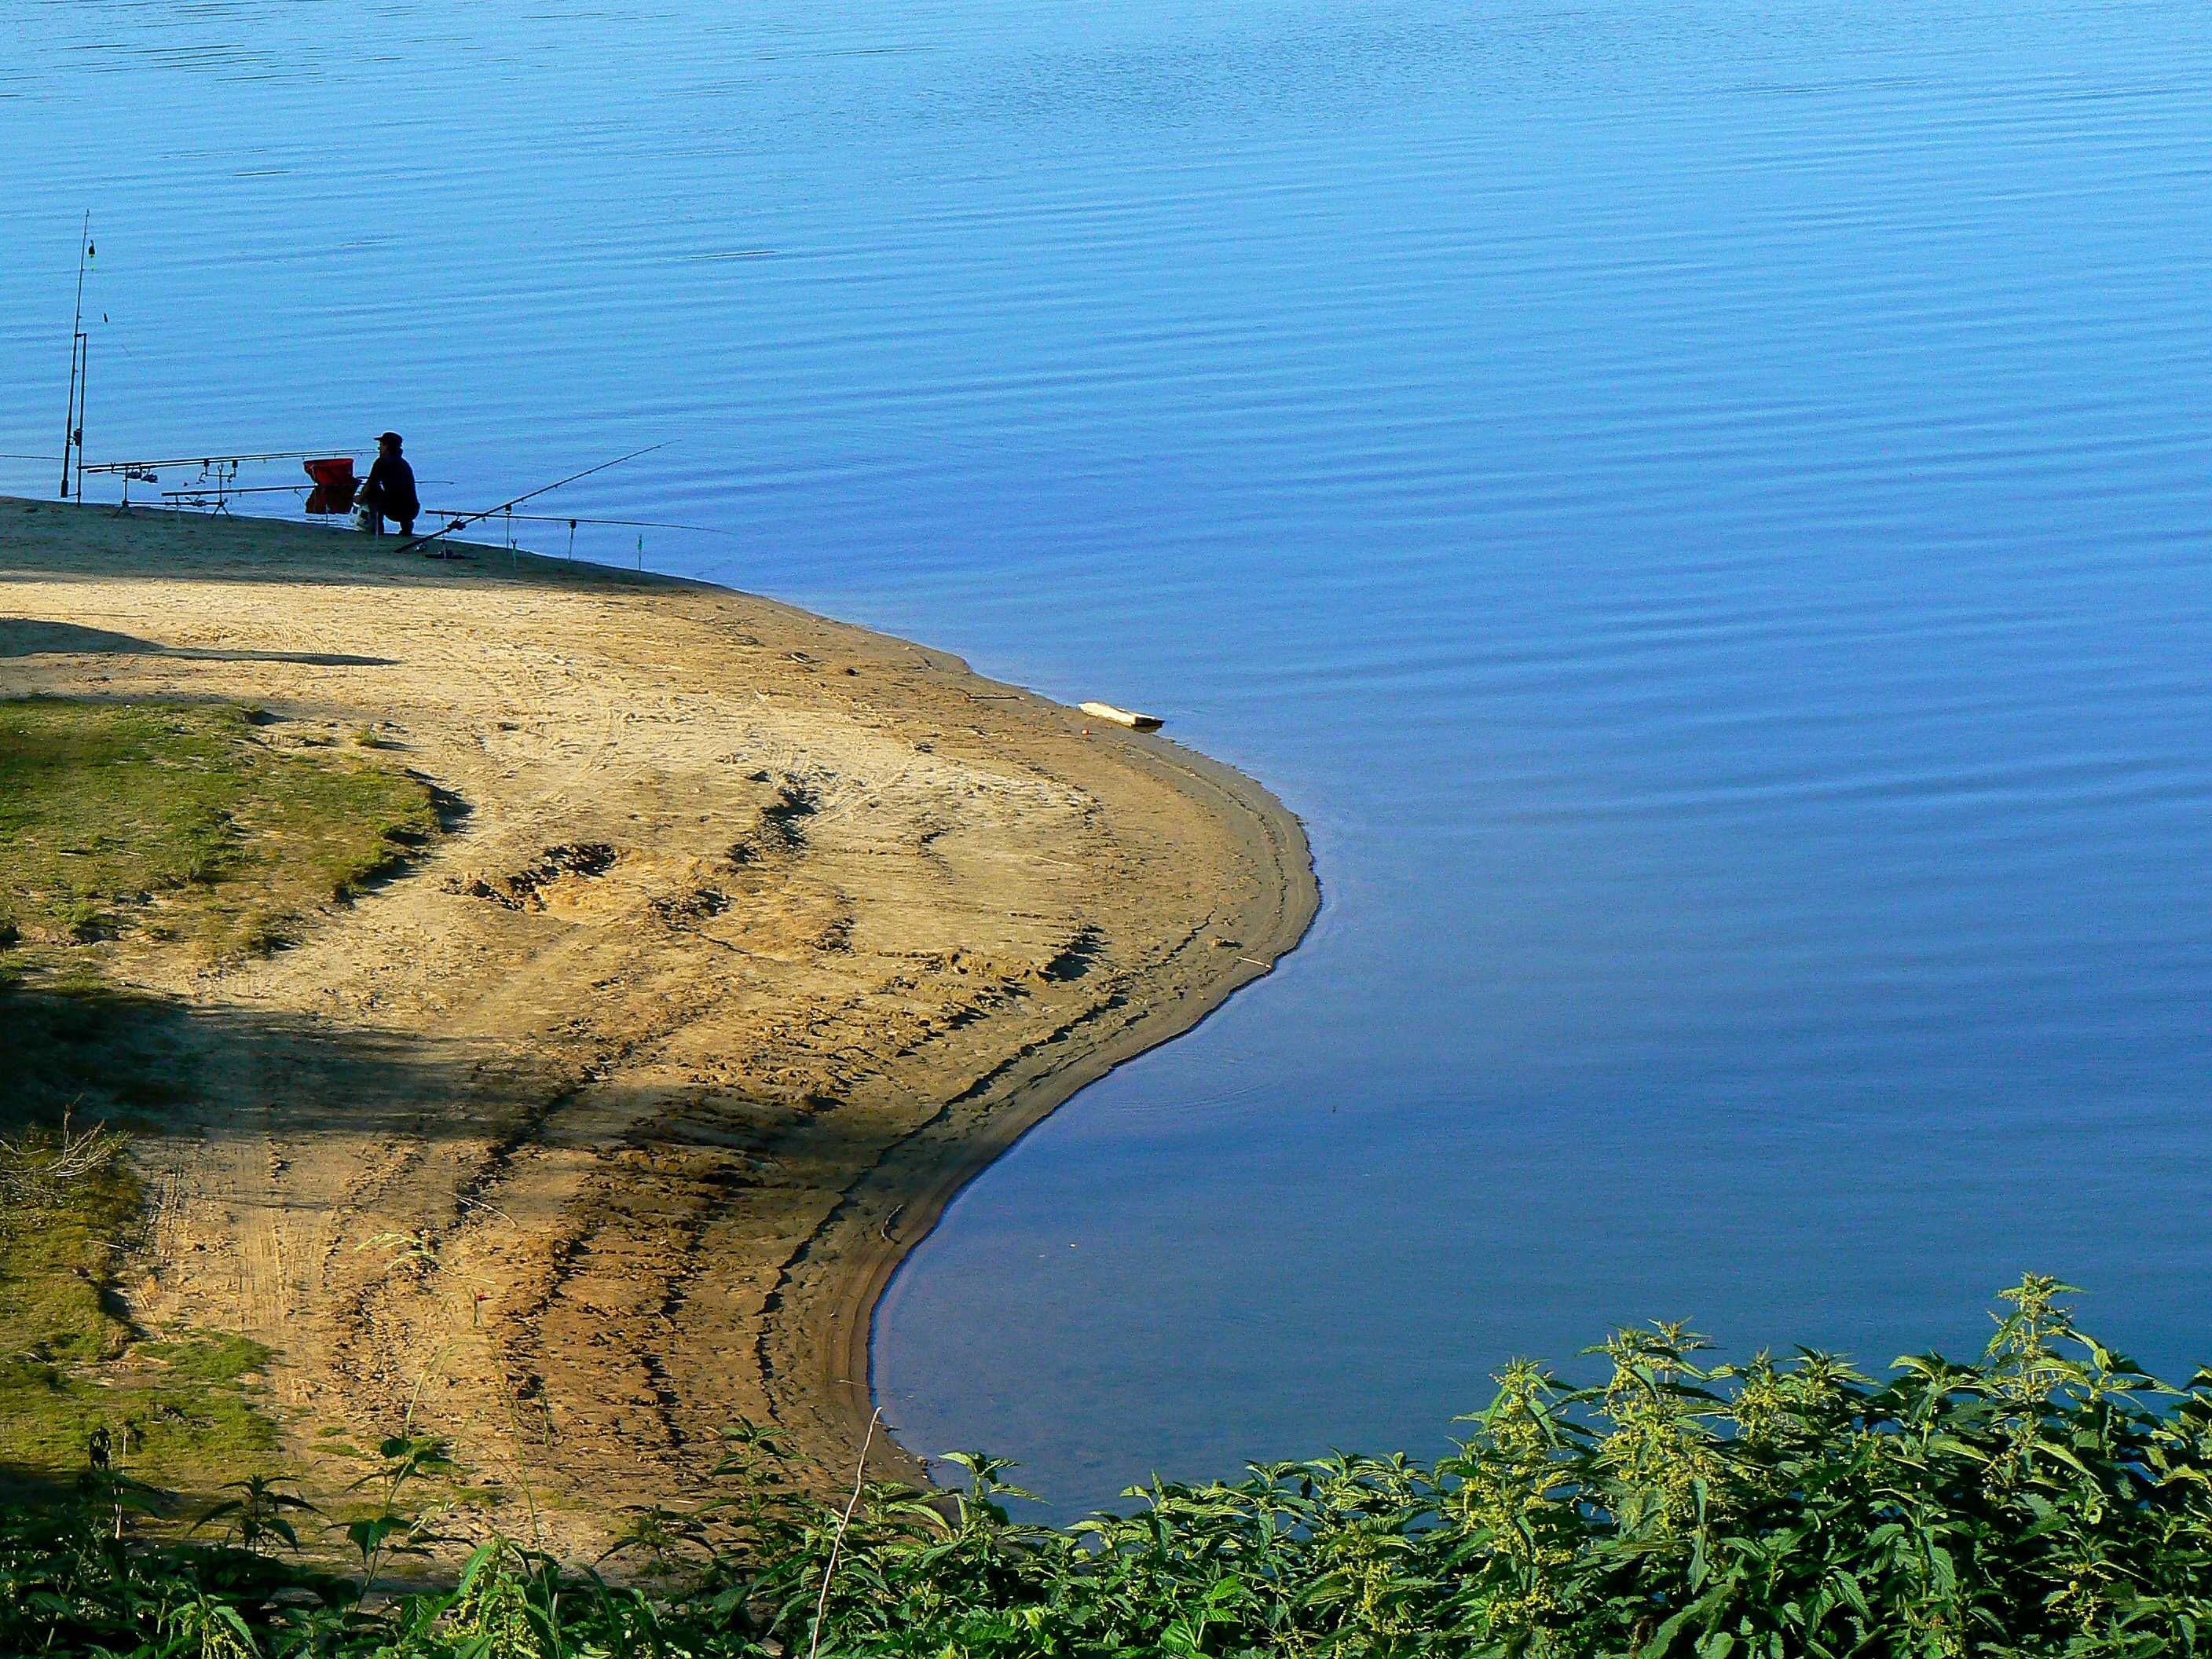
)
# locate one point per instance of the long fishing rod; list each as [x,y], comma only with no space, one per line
[73,432]
[206,460]
[528,494]
[191,492]
[573,518]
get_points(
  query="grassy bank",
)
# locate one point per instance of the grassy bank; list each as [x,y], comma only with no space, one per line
[129,833]
[182,822]
[2046,1499]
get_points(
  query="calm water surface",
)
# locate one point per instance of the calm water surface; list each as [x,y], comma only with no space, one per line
[1700,504]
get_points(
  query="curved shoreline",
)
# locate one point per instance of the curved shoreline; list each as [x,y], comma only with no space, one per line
[868,1270]
[757,937]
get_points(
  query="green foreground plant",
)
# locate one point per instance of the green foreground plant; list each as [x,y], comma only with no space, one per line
[2050,1499]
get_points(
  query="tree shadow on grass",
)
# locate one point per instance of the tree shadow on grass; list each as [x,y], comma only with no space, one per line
[89,1061]
[154,1063]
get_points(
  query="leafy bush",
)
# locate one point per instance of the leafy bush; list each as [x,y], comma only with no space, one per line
[2050,1499]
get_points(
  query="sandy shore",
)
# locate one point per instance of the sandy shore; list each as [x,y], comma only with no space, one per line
[754,936]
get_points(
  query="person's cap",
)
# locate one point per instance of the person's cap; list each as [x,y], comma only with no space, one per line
[388,438]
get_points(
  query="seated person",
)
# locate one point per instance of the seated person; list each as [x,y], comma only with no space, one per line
[389,491]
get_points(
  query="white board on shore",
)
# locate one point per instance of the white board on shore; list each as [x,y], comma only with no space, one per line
[1135,722]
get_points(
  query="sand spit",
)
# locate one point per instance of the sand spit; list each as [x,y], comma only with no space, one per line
[755,936]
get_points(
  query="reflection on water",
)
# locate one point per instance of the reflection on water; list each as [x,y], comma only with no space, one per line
[1701,506]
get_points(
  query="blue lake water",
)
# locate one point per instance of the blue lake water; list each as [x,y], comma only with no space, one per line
[1701,505]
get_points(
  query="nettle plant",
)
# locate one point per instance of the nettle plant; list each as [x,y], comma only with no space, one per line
[2049,1498]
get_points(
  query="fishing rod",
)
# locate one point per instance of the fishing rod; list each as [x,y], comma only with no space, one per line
[239,490]
[80,367]
[571,518]
[528,494]
[206,460]
[218,473]
[218,486]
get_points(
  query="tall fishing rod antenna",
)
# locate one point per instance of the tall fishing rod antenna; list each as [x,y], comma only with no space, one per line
[468,519]
[73,433]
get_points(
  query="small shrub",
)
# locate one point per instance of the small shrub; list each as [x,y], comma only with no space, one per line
[38,1170]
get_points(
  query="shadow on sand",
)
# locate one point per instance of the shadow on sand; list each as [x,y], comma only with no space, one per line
[31,636]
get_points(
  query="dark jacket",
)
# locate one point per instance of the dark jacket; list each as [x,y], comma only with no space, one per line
[391,489]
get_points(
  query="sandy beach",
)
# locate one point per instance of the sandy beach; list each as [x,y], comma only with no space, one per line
[752,937]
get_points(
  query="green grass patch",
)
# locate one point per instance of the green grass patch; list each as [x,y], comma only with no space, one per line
[59,1235]
[186,1434]
[148,822]
[210,1360]
[179,1411]
[178,820]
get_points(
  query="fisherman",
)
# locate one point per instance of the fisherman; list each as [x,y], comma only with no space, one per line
[389,491]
